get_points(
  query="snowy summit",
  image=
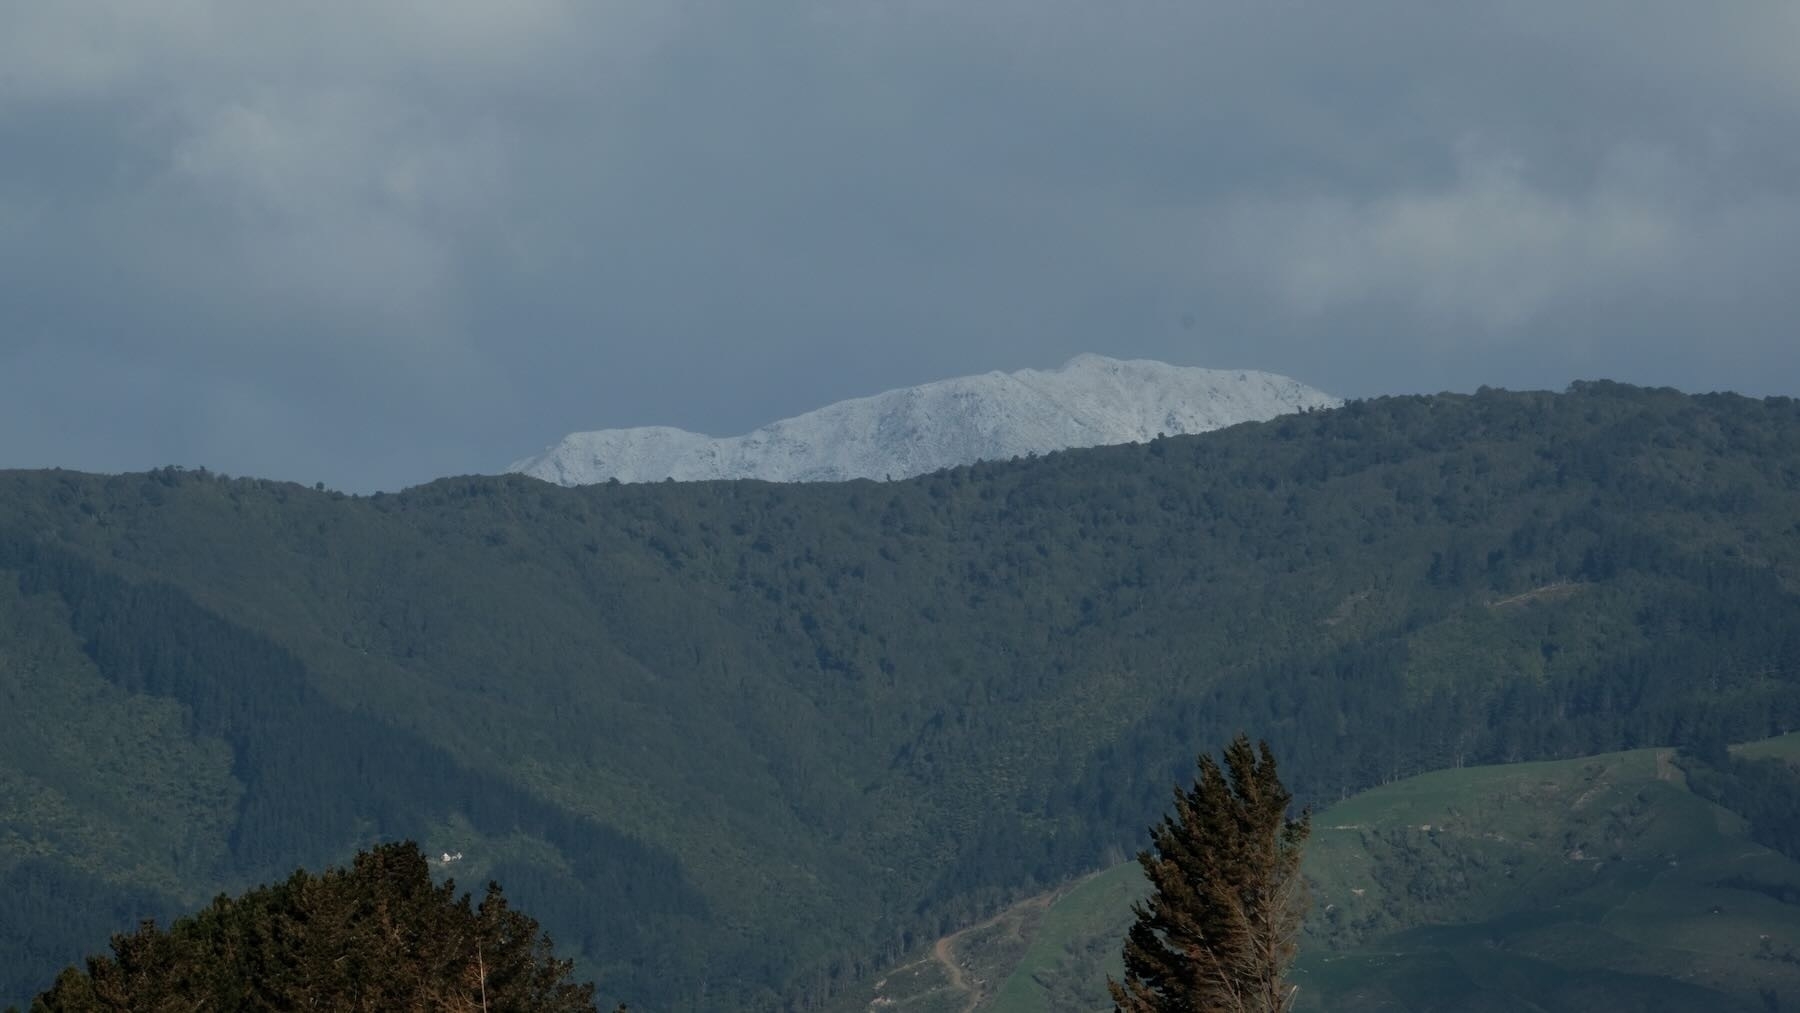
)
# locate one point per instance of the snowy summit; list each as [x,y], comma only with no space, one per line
[1091,401]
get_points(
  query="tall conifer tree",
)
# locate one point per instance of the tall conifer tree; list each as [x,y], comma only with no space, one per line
[1222,922]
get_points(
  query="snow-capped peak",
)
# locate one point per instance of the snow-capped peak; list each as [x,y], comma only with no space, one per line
[1090,401]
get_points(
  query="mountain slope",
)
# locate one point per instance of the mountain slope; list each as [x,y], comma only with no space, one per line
[1091,401]
[1597,884]
[739,743]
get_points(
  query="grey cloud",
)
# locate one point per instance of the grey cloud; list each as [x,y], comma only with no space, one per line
[372,243]
[1485,255]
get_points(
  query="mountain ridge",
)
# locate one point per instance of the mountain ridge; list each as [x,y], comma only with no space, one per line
[740,744]
[1089,401]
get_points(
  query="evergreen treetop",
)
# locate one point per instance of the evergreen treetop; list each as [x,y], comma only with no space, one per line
[1221,924]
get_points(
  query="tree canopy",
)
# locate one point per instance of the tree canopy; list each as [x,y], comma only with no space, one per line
[379,935]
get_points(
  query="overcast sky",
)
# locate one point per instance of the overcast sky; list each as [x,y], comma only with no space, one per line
[371,243]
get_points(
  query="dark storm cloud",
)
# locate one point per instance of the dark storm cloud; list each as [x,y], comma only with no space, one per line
[372,243]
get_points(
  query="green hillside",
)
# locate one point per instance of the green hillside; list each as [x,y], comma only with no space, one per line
[738,745]
[1594,884]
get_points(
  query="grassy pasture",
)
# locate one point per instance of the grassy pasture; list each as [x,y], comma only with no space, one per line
[1594,884]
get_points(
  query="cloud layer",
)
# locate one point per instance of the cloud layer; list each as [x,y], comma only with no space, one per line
[373,243]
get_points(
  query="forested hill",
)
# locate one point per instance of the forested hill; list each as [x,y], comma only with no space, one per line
[737,742]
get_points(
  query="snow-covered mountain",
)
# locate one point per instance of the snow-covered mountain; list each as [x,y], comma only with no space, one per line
[1091,401]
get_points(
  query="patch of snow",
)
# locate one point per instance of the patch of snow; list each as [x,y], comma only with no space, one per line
[1091,401]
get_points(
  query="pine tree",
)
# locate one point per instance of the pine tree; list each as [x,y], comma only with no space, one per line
[1222,922]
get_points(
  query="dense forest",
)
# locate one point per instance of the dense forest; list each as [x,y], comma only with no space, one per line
[737,744]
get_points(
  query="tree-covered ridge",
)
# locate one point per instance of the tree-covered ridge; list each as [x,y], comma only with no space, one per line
[315,779]
[813,725]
